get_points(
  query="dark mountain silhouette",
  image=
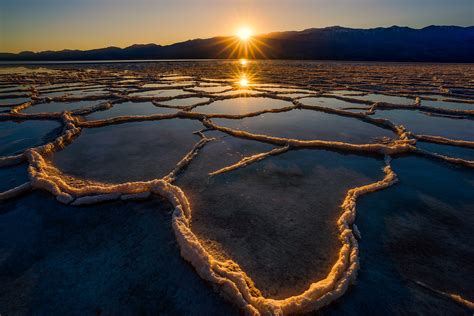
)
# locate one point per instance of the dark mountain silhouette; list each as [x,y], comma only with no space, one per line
[429,44]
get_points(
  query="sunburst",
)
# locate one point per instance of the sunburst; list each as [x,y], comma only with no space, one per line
[244,45]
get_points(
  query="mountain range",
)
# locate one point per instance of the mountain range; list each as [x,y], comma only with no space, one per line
[401,44]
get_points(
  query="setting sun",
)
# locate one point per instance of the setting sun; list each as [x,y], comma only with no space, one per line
[244,33]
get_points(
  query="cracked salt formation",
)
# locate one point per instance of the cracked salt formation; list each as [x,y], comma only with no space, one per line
[217,152]
[17,136]
[425,238]
[261,216]
[147,150]
[421,123]
[242,106]
[57,107]
[308,125]
[129,109]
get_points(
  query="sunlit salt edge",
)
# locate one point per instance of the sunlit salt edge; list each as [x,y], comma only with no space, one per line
[227,276]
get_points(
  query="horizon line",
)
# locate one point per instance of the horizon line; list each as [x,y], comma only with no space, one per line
[218,36]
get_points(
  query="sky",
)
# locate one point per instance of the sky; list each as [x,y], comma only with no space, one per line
[38,25]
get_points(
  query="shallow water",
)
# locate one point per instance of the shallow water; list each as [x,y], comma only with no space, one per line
[159,93]
[217,89]
[77,93]
[330,103]
[240,92]
[384,98]
[242,105]
[418,230]
[52,107]
[169,84]
[13,176]
[13,101]
[447,150]
[262,215]
[422,123]
[17,136]
[114,258]
[184,102]
[448,105]
[129,109]
[128,152]
[308,124]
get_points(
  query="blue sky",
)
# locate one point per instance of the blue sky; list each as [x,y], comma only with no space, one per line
[83,24]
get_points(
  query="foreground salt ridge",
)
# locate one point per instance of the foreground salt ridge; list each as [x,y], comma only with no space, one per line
[225,274]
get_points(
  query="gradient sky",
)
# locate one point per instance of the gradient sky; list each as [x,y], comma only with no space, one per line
[84,24]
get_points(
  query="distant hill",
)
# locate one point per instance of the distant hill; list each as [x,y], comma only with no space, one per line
[404,44]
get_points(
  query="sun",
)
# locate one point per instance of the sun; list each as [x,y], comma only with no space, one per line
[244,33]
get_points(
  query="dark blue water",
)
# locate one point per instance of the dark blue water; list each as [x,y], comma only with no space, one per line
[418,230]
[184,102]
[111,259]
[242,105]
[59,106]
[16,136]
[330,103]
[13,101]
[276,218]
[13,176]
[448,105]
[308,125]
[129,152]
[446,150]
[129,109]
[423,123]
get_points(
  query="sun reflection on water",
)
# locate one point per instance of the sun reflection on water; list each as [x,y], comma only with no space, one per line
[243,81]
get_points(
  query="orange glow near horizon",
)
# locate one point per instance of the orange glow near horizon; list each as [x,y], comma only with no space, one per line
[244,33]
[244,45]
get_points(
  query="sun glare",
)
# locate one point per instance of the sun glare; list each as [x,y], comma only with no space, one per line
[244,33]
[243,61]
[243,82]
